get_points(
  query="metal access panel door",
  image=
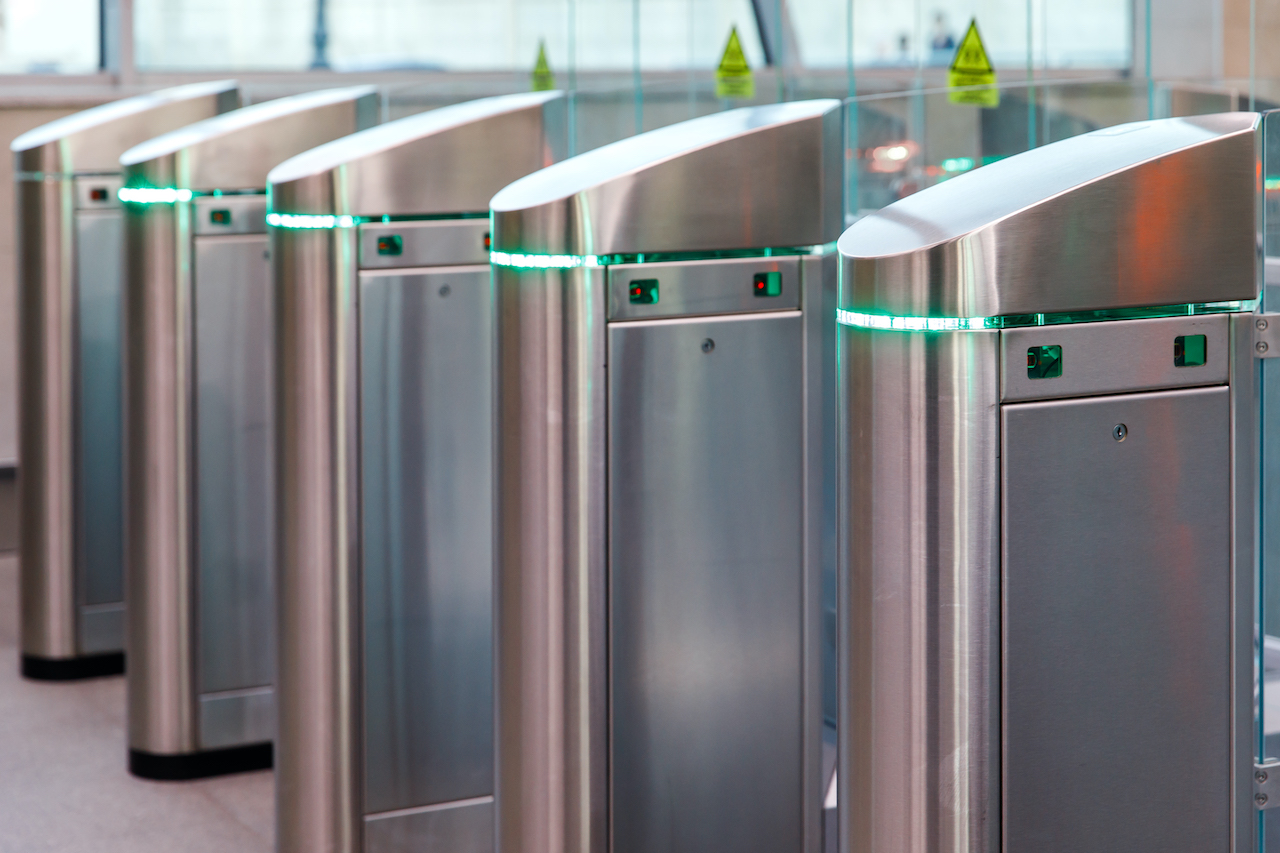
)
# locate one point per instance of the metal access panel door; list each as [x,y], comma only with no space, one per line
[99,430]
[706,445]
[426,434]
[234,480]
[1117,624]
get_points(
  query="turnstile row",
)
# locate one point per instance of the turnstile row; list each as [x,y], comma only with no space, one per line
[544,490]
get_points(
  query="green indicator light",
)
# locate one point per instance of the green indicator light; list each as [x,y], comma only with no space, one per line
[643,291]
[220,217]
[1272,183]
[1044,362]
[767,284]
[153,195]
[1014,321]
[1188,350]
[390,244]
[957,164]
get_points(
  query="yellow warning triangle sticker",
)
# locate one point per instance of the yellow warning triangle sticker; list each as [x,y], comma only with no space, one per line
[543,79]
[972,67]
[733,75]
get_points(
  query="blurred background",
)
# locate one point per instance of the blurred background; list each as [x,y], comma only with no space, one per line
[1062,67]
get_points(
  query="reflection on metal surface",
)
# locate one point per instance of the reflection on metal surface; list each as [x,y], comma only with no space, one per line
[676,719]
[385,401]
[1106,213]
[195,517]
[761,176]
[69,362]
[955,733]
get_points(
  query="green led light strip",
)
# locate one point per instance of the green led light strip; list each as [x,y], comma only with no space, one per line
[313,220]
[153,195]
[324,221]
[514,260]
[894,323]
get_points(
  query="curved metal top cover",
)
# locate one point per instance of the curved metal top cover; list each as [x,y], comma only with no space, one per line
[1144,214]
[92,140]
[237,150]
[757,177]
[448,160]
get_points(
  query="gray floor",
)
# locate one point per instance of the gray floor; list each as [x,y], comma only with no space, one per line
[63,782]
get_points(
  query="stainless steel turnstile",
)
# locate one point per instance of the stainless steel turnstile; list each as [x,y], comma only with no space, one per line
[69,268]
[666,337]
[199,459]
[1047,374]
[385,439]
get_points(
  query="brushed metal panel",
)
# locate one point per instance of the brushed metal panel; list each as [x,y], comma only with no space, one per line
[706,584]
[235,151]
[101,628]
[703,287]
[447,160]
[465,827]
[426,432]
[1092,222]
[99,416]
[1116,356]
[234,463]
[764,176]
[551,783]
[46,417]
[160,638]
[919,742]
[1117,623]
[237,718]
[321,737]
[93,139]
[247,214]
[426,244]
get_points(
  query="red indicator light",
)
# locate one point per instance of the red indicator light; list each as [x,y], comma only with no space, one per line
[487,241]
[98,194]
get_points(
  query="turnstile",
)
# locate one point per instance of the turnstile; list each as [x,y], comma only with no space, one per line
[199,454]
[385,359]
[1048,521]
[69,242]
[666,332]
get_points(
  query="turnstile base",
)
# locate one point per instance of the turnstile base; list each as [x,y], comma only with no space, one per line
[198,765]
[72,669]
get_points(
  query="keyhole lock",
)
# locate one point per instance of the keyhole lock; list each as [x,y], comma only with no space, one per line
[708,345]
[1120,432]
[445,290]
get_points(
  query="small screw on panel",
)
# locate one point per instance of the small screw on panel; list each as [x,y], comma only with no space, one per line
[1261,324]
[1260,776]
[708,345]
[1261,799]
[1260,346]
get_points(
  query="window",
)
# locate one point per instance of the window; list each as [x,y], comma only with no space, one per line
[48,36]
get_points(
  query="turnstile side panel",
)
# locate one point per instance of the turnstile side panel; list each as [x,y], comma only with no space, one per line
[234,463]
[1117,624]
[706,447]
[427,373]
[241,717]
[461,828]
[99,430]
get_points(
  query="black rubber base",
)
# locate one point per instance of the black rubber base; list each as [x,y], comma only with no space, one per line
[198,765]
[71,669]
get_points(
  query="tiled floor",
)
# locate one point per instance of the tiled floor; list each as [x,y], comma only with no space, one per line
[63,782]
